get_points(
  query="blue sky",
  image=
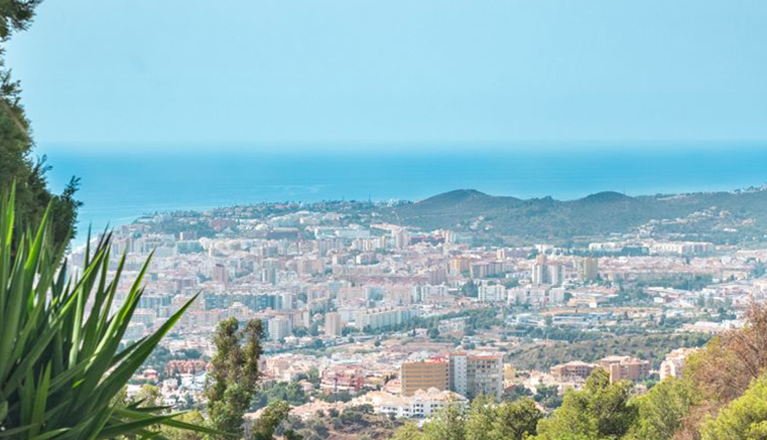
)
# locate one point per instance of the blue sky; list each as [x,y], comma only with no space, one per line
[148,72]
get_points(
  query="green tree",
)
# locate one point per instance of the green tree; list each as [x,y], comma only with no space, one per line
[408,431]
[447,425]
[663,408]
[600,410]
[548,396]
[234,373]
[32,195]
[62,369]
[480,419]
[745,418]
[515,420]
[149,396]
[192,418]
[273,415]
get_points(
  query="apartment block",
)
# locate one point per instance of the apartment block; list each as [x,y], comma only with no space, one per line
[431,373]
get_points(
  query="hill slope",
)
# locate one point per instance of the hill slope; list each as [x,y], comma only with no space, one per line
[720,217]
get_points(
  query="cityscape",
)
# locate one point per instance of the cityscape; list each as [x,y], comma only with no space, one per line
[383,220]
[407,320]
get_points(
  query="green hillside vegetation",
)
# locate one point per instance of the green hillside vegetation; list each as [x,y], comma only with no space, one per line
[598,215]
[652,347]
[721,395]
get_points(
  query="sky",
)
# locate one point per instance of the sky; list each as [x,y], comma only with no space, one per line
[147,73]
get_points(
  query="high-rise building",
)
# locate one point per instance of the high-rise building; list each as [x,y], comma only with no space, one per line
[588,269]
[474,374]
[220,274]
[334,325]
[458,373]
[431,373]
[287,301]
[484,375]
[545,272]
[279,327]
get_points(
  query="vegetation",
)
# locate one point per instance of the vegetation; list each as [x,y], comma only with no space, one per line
[32,194]
[484,420]
[721,395]
[600,410]
[592,217]
[646,346]
[61,367]
[289,392]
[356,422]
[744,418]
[233,374]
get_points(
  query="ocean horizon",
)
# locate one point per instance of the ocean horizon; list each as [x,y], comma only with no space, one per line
[120,186]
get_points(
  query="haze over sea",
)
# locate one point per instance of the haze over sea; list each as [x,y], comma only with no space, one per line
[120,184]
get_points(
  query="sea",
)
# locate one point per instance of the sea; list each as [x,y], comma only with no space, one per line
[119,184]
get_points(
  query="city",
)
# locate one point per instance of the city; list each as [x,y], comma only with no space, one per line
[405,320]
[383,220]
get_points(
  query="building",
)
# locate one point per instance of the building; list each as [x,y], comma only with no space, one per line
[674,363]
[383,317]
[342,379]
[625,368]
[422,404]
[588,269]
[491,293]
[279,328]
[431,373]
[334,325]
[475,374]
[545,272]
[575,369]
[459,382]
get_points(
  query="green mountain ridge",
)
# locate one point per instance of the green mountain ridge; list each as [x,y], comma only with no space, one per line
[722,217]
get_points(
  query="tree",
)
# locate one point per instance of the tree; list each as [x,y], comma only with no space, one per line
[663,409]
[408,431]
[724,369]
[32,195]
[62,368]
[600,410]
[149,396]
[193,418]
[480,419]
[515,420]
[745,418]
[447,425]
[548,396]
[234,373]
[273,415]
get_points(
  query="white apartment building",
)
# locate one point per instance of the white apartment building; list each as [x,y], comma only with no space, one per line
[473,374]
[279,327]
[491,293]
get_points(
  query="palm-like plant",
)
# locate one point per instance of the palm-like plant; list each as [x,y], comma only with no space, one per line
[60,360]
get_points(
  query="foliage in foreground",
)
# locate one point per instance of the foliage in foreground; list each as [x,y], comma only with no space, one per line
[61,367]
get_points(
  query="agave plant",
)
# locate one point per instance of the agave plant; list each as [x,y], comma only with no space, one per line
[61,364]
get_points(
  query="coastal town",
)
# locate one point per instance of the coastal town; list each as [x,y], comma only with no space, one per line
[359,312]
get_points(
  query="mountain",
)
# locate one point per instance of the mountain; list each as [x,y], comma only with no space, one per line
[721,217]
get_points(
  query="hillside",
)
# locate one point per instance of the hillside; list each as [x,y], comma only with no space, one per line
[653,347]
[721,217]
